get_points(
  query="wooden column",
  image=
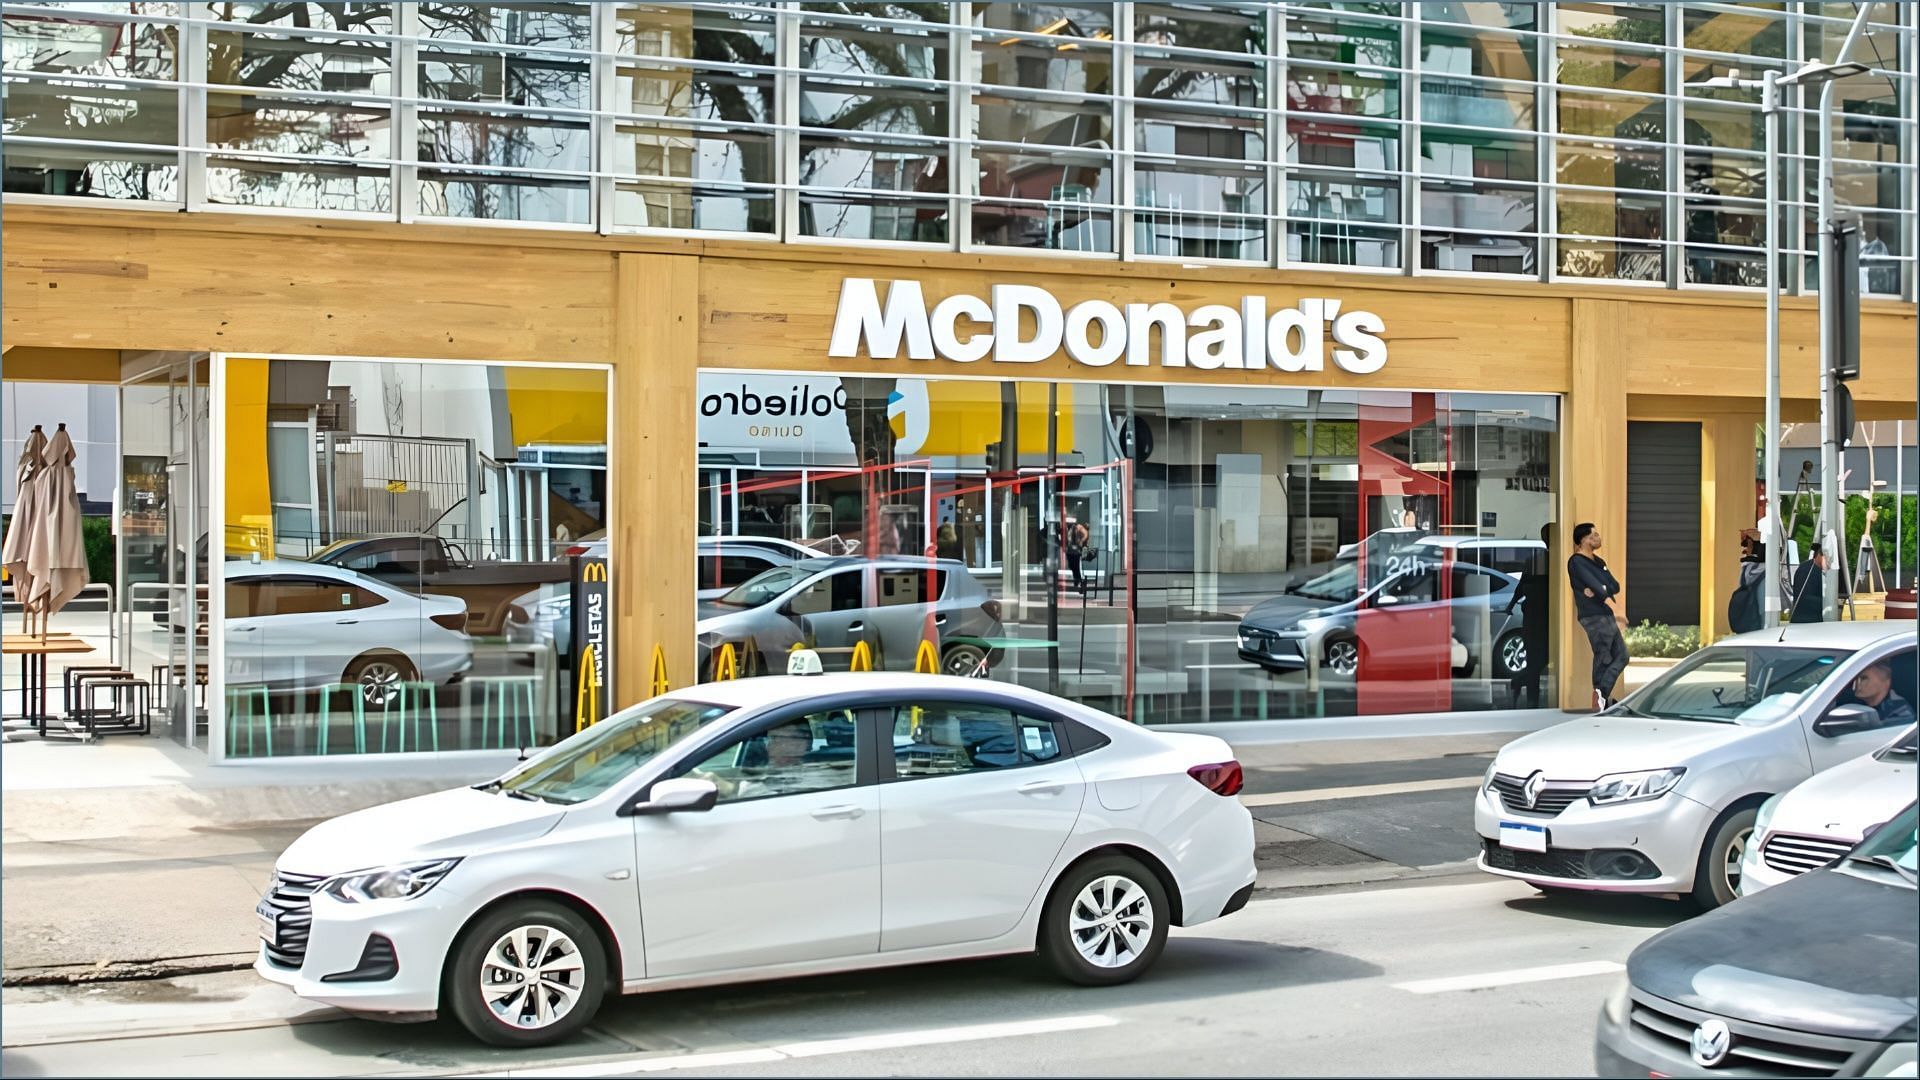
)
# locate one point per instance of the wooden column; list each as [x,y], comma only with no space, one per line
[1726,506]
[1593,486]
[656,343]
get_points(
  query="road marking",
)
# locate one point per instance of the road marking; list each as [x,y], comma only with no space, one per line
[721,1059]
[1282,798]
[1510,978]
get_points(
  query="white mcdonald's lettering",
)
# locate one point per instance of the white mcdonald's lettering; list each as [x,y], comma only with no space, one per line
[1211,337]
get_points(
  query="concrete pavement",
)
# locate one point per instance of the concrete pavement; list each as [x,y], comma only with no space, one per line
[1327,982]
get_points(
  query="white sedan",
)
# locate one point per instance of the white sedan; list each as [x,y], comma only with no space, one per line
[1827,816]
[760,829]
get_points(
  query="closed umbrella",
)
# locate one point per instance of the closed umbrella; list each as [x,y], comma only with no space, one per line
[26,518]
[56,551]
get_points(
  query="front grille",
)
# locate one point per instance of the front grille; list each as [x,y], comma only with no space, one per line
[292,895]
[1555,795]
[1755,1049]
[1792,854]
[1598,864]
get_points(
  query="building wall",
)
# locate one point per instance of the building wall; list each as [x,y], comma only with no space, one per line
[660,309]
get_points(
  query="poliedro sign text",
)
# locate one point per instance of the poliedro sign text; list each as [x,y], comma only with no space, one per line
[1211,337]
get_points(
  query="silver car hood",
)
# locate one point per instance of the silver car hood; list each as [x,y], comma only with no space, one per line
[1843,801]
[1591,747]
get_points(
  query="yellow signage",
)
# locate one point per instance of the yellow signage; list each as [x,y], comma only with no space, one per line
[726,664]
[396,487]
[594,571]
[862,657]
[586,705]
[659,684]
[927,660]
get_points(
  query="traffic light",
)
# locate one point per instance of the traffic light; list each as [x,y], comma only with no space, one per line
[1840,280]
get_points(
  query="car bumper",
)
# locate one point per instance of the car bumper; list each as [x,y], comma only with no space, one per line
[1216,873]
[1666,832]
[1273,662]
[1755,874]
[420,934]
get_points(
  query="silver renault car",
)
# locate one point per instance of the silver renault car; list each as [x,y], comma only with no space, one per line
[1659,794]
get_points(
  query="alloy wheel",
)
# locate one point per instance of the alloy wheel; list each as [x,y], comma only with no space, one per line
[1736,851]
[380,682]
[1514,654]
[1343,658]
[532,977]
[1111,921]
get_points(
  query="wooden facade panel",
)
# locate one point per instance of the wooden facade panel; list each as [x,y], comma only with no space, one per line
[1720,351]
[135,288]
[770,314]
[1593,484]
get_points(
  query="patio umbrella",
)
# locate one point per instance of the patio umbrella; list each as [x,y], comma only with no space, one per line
[26,518]
[56,554]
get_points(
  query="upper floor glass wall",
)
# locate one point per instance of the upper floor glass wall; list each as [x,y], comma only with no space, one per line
[1568,140]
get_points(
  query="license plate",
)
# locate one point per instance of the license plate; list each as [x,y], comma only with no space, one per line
[1521,836]
[269,926]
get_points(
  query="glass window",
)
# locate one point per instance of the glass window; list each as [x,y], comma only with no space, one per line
[1738,685]
[591,762]
[946,737]
[809,753]
[874,114]
[839,591]
[903,587]
[1043,125]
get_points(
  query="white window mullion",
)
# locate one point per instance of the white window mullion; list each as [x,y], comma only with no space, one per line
[1546,124]
[1123,141]
[1671,228]
[1276,128]
[406,115]
[192,69]
[1410,113]
[963,175]
[603,88]
[786,140]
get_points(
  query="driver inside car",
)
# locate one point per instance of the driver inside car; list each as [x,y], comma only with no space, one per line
[1874,689]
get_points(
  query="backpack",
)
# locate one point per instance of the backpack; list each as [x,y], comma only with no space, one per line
[1743,609]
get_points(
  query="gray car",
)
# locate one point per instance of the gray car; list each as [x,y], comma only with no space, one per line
[834,604]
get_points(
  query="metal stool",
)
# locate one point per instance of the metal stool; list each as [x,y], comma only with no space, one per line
[408,696]
[501,697]
[353,691]
[244,696]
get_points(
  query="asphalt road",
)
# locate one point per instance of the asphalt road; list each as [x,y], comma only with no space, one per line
[1339,982]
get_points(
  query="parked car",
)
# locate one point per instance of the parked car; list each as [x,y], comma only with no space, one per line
[423,563]
[834,603]
[766,828]
[723,563]
[1822,818]
[1660,793]
[295,625]
[1817,977]
[1320,618]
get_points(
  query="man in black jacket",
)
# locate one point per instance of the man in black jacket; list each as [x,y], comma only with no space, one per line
[1594,587]
[1810,588]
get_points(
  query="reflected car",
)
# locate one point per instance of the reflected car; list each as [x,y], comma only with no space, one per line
[297,625]
[1822,818]
[766,828]
[724,563]
[1815,977]
[1660,794]
[835,603]
[1319,619]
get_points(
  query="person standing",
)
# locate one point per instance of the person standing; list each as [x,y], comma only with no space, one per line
[1594,588]
[1535,625]
[1810,588]
[1077,540]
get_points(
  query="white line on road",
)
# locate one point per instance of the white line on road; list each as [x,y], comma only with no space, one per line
[1282,798]
[765,1055]
[1511,978]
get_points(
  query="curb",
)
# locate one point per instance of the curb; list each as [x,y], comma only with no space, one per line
[127,970]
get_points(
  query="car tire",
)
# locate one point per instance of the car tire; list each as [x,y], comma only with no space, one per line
[1098,953]
[1342,656]
[1716,878]
[378,674]
[1511,646]
[964,659]
[485,963]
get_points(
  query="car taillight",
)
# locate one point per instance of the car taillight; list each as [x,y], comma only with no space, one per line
[1224,778]
[455,621]
[991,607]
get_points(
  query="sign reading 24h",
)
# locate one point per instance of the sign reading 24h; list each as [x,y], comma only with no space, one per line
[1096,333]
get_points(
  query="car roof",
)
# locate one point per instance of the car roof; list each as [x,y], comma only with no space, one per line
[838,562]
[768,690]
[241,568]
[1479,541]
[1846,635]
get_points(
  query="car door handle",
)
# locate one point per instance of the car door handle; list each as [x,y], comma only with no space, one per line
[854,628]
[939,620]
[347,622]
[1042,787]
[242,629]
[837,813]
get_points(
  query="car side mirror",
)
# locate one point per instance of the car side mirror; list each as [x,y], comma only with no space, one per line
[1846,720]
[681,794]
[1386,599]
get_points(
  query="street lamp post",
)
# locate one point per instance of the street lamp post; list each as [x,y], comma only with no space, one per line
[1770,85]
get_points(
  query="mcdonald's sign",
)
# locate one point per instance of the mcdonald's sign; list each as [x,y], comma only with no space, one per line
[592,640]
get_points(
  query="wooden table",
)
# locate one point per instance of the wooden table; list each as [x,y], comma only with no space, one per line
[33,651]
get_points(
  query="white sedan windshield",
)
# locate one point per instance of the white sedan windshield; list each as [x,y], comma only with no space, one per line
[1737,684]
[594,760]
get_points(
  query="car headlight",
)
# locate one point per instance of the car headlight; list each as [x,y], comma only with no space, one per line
[1896,1060]
[388,882]
[1634,786]
[1618,1002]
[1486,782]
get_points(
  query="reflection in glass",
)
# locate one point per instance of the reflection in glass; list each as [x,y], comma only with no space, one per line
[1468,226]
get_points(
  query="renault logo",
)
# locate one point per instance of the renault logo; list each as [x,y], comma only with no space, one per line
[1710,1043]
[1531,788]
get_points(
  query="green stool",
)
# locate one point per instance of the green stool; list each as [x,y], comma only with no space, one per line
[354,694]
[408,697]
[500,700]
[240,699]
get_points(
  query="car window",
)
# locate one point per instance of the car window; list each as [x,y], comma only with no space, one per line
[839,591]
[1416,587]
[243,598]
[766,587]
[590,762]
[1734,684]
[816,752]
[308,596]
[1884,685]
[944,738]
[907,585]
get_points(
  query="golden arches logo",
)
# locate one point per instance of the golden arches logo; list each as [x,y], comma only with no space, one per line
[586,704]
[862,657]
[658,685]
[594,571]
[726,663]
[926,661]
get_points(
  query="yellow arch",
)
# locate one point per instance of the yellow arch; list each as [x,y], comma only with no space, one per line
[659,684]
[586,704]
[726,665]
[862,657]
[926,661]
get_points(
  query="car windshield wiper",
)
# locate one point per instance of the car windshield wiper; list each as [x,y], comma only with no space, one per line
[516,793]
[1887,861]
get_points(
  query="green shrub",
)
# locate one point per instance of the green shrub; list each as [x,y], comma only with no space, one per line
[1652,639]
[97,534]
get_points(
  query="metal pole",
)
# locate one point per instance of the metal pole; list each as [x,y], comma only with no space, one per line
[1777,541]
[1832,523]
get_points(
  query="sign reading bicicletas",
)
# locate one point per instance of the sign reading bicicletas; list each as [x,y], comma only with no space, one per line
[1096,333]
